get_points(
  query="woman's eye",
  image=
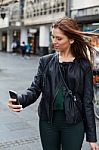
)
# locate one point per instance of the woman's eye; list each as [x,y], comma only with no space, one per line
[59,39]
[52,37]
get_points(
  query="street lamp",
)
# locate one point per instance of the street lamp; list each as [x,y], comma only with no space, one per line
[3,13]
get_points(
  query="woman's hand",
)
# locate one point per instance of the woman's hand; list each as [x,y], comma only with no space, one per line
[94,146]
[14,107]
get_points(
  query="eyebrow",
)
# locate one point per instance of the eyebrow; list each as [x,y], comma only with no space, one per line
[56,36]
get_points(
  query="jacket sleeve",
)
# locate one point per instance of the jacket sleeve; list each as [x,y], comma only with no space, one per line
[34,91]
[89,117]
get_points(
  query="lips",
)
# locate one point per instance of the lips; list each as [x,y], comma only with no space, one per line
[56,46]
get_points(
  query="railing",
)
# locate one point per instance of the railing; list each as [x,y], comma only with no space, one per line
[33,9]
[85,11]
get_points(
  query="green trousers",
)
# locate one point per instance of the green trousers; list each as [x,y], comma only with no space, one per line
[59,135]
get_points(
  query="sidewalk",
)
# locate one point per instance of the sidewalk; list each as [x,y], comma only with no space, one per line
[19,131]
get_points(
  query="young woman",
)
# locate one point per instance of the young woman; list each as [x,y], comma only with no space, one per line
[65,81]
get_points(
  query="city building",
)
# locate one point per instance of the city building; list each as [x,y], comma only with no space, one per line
[30,21]
[9,23]
[87,15]
[38,17]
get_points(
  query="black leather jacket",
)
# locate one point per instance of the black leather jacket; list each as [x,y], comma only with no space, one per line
[48,80]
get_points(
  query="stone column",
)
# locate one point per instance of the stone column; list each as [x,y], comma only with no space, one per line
[9,41]
[24,36]
[44,39]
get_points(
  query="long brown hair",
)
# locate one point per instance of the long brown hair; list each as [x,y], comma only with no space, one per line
[80,47]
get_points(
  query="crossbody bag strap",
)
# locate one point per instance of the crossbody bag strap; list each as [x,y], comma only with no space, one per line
[69,91]
[66,86]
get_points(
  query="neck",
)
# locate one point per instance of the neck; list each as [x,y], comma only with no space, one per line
[66,53]
[65,56]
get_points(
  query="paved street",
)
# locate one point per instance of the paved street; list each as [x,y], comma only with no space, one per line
[19,131]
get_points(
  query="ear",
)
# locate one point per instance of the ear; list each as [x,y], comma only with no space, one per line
[71,41]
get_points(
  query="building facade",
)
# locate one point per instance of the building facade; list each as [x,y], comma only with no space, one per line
[87,15]
[30,20]
[9,23]
[38,17]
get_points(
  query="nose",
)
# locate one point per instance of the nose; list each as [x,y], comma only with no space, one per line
[54,41]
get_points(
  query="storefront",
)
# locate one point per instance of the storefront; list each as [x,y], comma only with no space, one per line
[33,39]
[4,24]
[4,41]
[16,38]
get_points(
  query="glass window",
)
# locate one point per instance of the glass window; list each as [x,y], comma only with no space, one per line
[43,7]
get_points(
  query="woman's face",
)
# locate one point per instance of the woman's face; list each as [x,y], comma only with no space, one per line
[60,42]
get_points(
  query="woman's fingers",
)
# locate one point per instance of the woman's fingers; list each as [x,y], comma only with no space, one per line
[94,146]
[12,106]
[17,110]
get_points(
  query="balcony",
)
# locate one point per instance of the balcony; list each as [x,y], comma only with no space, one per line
[86,15]
[43,9]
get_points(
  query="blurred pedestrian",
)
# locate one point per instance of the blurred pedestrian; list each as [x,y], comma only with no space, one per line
[28,50]
[23,48]
[65,81]
[14,46]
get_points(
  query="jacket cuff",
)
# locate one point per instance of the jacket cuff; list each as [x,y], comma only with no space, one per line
[19,97]
[91,138]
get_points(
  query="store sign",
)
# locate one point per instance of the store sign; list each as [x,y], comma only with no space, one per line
[4,22]
[32,30]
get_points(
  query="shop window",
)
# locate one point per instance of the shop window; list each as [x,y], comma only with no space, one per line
[50,11]
[58,5]
[62,4]
[54,6]
[41,13]
[62,9]
[45,12]
[54,10]
[27,15]
[96,11]
[58,10]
